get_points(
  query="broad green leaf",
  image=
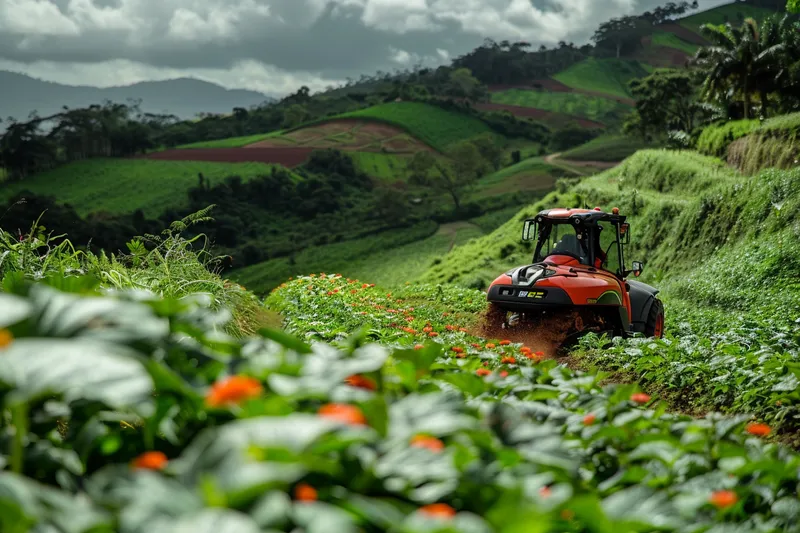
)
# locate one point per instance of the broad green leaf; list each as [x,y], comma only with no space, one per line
[13,309]
[47,506]
[77,369]
[206,521]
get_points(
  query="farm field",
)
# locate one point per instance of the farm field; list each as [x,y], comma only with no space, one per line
[528,175]
[605,76]
[432,125]
[670,40]
[575,104]
[124,185]
[232,142]
[346,134]
[606,148]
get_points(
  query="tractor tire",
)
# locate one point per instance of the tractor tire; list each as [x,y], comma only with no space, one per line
[655,320]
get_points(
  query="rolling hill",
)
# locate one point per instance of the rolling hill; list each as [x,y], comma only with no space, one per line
[183,97]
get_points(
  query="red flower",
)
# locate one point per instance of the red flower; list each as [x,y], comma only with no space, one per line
[545,492]
[150,461]
[640,397]
[508,360]
[433,334]
[483,372]
[504,373]
[418,347]
[589,419]
[438,510]
[361,382]
[490,345]
[457,349]
[349,414]
[425,441]
[505,342]
[233,390]
[757,429]
[722,499]
[305,493]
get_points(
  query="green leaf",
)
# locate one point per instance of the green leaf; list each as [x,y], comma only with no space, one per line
[206,521]
[13,309]
[76,369]
[20,496]
[286,340]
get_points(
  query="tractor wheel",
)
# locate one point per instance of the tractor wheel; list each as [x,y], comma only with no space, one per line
[655,320]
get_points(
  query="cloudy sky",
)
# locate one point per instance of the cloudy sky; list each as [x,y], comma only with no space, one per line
[274,46]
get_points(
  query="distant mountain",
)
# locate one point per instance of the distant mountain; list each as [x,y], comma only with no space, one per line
[184,97]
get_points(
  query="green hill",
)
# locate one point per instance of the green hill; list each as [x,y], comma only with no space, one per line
[607,76]
[124,185]
[432,125]
[581,105]
[734,13]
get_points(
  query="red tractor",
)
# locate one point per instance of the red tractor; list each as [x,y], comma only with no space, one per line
[578,281]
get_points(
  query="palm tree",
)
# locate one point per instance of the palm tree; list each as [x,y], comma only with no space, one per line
[742,60]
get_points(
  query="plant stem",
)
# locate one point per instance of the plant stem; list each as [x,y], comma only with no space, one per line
[19,419]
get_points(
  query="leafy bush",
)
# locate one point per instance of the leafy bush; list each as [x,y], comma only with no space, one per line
[269,433]
[714,140]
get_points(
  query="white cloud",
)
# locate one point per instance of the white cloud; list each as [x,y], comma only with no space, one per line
[88,15]
[246,74]
[215,22]
[35,17]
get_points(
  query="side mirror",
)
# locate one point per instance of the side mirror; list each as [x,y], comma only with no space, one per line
[637,268]
[526,230]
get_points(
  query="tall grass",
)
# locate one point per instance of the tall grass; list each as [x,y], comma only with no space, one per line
[169,265]
[715,139]
[607,148]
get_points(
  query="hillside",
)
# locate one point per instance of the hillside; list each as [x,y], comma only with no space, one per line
[185,97]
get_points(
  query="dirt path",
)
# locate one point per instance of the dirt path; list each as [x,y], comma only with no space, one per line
[451,229]
[569,164]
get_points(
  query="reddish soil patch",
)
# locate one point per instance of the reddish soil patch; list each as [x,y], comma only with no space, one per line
[288,157]
[683,33]
[662,56]
[539,114]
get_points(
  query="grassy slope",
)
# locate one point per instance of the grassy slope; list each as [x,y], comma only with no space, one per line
[725,259]
[609,76]
[124,185]
[591,107]
[721,14]
[233,142]
[605,148]
[432,125]
[670,40]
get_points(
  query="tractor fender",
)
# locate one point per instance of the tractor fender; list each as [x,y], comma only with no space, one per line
[642,297]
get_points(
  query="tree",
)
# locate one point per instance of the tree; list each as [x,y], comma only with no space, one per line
[793,6]
[736,62]
[294,115]
[454,177]
[620,33]
[666,100]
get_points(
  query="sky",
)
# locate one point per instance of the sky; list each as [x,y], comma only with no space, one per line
[275,46]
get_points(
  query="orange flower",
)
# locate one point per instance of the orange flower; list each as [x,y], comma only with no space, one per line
[545,492]
[464,330]
[448,327]
[475,345]
[759,430]
[362,382]
[722,499]
[438,510]
[525,349]
[505,342]
[504,373]
[349,414]
[364,285]
[508,360]
[427,329]
[483,372]
[589,419]
[457,349]
[233,390]
[640,397]
[418,346]
[425,441]
[490,345]
[433,334]
[6,338]
[305,493]
[150,461]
